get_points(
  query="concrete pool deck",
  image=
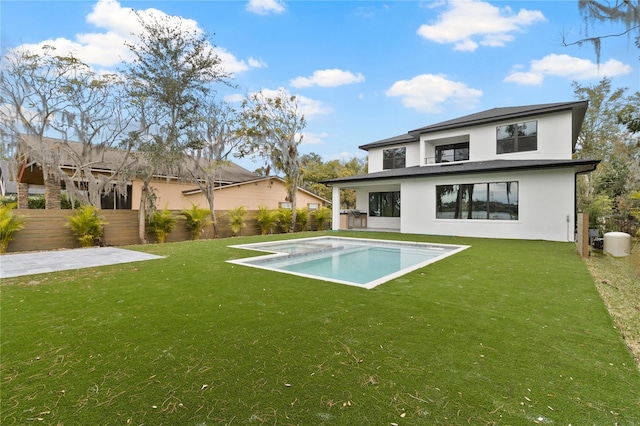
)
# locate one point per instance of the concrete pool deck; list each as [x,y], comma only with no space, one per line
[40,262]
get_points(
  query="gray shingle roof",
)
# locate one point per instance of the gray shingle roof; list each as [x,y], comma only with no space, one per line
[582,165]
[579,109]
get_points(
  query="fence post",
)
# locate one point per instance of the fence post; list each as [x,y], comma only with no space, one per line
[583,234]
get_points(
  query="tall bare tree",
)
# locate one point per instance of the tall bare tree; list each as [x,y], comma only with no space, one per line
[173,70]
[43,94]
[273,128]
[214,136]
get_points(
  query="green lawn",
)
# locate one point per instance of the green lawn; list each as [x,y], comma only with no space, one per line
[505,332]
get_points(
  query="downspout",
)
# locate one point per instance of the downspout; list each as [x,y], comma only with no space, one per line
[575,200]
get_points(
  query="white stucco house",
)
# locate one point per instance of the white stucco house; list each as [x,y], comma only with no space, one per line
[501,173]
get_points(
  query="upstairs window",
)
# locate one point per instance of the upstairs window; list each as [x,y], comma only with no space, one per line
[394,158]
[518,137]
[452,152]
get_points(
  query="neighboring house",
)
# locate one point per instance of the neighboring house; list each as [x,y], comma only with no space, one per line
[235,186]
[501,173]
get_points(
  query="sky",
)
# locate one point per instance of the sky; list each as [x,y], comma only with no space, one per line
[362,71]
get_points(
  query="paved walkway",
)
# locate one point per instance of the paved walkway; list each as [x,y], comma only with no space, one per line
[39,262]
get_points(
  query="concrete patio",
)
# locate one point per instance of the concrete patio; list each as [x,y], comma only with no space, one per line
[39,262]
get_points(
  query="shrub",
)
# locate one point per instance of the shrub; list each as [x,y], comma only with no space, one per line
[161,224]
[65,202]
[267,219]
[10,223]
[197,220]
[8,199]
[236,219]
[285,217]
[87,224]
[302,217]
[37,202]
[322,216]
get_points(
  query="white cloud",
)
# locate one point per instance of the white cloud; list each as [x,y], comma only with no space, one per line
[107,49]
[265,7]
[466,20]
[427,92]
[314,138]
[569,67]
[328,78]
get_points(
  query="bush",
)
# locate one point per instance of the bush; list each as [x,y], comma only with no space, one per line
[267,219]
[236,219]
[197,220]
[302,217]
[87,224]
[65,202]
[322,216]
[10,223]
[285,217]
[37,202]
[161,224]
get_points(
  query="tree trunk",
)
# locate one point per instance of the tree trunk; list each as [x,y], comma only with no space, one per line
[142,213]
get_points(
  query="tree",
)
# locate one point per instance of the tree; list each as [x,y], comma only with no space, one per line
[625,12]
[606,138]
[214,136]
[42,94]
[171,76]
[314,171]
[273,129]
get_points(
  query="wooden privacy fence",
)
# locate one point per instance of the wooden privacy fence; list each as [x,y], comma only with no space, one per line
[46,230]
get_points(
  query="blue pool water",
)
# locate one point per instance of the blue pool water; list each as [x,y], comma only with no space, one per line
[354,261]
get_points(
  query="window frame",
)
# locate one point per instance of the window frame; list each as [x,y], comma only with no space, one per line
[394,158]
[466,207]
[519,142]
[456,147]
[377,203]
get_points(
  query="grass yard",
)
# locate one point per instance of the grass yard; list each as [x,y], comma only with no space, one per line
[505,332]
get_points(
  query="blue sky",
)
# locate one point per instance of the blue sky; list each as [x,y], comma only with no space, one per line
[362,70]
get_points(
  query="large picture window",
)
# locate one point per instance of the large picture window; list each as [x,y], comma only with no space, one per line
[452,152]
[490,201]
[394,158]
[384,204]
[518,137]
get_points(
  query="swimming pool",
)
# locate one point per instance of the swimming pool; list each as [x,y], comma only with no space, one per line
[359,262]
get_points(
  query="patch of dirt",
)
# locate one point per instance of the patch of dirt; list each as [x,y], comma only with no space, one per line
[618,282]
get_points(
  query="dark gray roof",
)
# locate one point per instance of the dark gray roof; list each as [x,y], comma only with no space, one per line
[459,168]
[579,109]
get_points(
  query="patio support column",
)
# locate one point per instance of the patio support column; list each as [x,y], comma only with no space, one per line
[23,195]
[53,194]
[335,199]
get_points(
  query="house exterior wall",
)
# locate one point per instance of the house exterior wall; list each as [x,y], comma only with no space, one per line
[554,132]
[267,192]
[545,207]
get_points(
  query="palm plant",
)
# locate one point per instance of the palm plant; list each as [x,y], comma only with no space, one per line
[197,219]
[87,224]
[267,219]
[302,217]
[285,219]
[236,219]
[10,223]
[161,224]
[322,216]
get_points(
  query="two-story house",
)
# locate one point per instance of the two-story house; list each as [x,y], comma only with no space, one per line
[501,173]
